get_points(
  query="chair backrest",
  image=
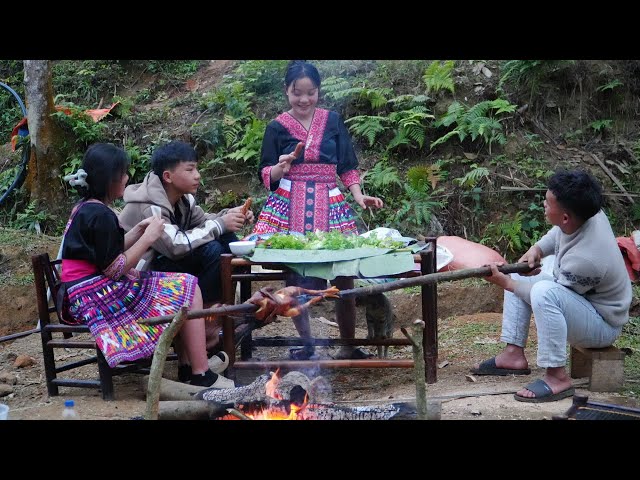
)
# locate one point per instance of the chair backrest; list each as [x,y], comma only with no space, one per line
[47,282]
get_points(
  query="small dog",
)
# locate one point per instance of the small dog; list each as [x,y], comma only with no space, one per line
[380,319]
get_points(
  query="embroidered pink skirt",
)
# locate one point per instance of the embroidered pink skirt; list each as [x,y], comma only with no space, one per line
[306,200]
[110,308]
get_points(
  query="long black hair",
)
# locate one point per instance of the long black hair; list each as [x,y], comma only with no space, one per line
[298,69]
[105,165]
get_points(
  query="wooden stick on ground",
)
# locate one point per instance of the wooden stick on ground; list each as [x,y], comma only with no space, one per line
[418,366]
[157,364]
[190,410]
[170,390]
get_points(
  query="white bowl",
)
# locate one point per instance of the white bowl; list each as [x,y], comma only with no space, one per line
[243,247]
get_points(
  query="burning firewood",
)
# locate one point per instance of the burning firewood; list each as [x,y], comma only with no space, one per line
[255,391]
[283,410]
[292,397]
[286,301]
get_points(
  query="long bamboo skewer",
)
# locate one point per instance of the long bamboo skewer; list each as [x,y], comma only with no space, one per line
[433,278]
[357,292]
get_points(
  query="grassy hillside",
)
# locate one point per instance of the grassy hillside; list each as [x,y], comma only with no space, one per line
[455,147]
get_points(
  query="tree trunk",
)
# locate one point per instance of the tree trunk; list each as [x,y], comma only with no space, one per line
[46,136]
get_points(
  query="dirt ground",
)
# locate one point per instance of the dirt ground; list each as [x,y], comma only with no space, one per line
[489,398]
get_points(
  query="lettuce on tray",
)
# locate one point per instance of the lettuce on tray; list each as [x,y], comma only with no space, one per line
[332,240]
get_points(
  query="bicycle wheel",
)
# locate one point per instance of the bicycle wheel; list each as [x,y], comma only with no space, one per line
[13,165]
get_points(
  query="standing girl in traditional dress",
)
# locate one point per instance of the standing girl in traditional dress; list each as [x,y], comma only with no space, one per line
[106,292]
[302,151]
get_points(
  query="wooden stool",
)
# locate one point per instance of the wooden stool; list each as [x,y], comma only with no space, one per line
[603,366]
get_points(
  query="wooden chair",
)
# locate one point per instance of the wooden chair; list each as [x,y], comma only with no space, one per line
[46,275]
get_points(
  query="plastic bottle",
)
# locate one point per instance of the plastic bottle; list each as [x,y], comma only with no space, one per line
[69,412]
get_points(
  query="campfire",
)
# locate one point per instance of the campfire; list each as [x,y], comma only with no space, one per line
[293,397]
[283,410]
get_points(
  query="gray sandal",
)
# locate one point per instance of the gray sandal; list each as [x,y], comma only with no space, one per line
[543,393]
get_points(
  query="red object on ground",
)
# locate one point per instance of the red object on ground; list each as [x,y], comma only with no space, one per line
[99,113]
[631,257]
[467,254]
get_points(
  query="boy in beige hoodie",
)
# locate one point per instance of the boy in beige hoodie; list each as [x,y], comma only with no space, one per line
[193,240]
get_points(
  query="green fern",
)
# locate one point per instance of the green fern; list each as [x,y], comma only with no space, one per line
[410,125]
[408,101]
[367,126]
[509,235]
[420,177]
[340,90]
[478,121]
[601,125]
[377,97]
[609,86]
[454,113]
[248,147]
[382,177]
[400,138]
[529,72]
[472,177]
[438,77]
[418,207]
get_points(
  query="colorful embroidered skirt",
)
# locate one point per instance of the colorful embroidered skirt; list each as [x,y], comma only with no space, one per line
[306,201]
[110,309]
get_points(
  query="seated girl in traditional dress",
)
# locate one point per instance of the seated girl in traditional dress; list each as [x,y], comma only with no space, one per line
[107,293]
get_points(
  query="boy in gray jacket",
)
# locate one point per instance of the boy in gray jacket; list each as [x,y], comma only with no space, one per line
[193,240]
[586,301]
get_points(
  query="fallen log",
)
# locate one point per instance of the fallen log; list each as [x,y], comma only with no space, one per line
[433,278]
[254,392]
[190,410]
[170,390]
[294,386]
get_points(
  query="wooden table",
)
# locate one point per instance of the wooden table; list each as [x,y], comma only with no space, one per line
[239,269]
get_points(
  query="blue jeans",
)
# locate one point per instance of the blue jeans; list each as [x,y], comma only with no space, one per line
[561,316]
[204,263]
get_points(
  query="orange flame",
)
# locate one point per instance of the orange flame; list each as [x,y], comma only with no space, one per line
[268,414]
[272,385]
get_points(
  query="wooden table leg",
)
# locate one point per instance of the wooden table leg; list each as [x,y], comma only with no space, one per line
[430,313]
[228,340]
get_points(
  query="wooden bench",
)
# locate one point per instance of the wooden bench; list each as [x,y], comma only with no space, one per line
[46,277]
[603,366]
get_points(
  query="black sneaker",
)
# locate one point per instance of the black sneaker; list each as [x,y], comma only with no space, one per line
[184,373]
[212,380]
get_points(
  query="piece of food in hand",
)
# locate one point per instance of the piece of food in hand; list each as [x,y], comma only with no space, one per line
[285,302]
[246,206]
[296,153]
